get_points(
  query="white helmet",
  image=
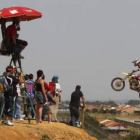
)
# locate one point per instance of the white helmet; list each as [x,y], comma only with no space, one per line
[136,61]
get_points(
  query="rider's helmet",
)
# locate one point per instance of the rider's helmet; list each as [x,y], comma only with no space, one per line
[136,62]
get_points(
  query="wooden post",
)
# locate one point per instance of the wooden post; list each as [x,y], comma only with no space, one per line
[83,117]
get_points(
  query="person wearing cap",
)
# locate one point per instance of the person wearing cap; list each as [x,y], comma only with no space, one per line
[51,105]
[75,104]
[14,44]
[10,95]
[57,96]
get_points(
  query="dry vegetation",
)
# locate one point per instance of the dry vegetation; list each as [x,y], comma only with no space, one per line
[55,131]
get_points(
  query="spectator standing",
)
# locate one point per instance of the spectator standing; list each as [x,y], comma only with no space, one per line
[44,107]
[18,98]
[41,96]
[2,98]
[75,104]
[10,95]
[23,91]
[31,91]
[57,96]
[51,105]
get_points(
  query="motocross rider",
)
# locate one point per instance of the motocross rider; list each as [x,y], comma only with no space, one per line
[137,63]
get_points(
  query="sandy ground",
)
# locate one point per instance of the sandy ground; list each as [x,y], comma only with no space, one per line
[56,131]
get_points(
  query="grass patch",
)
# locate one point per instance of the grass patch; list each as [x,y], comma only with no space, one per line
[134,134]
[37,129]
[45,137]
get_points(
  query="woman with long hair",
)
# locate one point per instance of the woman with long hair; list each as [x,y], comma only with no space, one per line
[41,96]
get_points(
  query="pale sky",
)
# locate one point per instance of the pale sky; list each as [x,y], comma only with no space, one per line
[85,42]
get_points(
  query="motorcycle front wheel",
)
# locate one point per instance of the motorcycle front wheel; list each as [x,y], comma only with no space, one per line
[117,84]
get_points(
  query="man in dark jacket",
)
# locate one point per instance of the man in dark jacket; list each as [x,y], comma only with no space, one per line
[75,104]
[10,95]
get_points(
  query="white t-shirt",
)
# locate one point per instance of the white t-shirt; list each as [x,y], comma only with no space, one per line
[57,86]
[18,90]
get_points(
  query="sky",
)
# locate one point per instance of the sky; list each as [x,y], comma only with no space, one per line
[85,42]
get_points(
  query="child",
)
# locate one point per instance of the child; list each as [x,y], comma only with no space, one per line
[31,91]
[52,102]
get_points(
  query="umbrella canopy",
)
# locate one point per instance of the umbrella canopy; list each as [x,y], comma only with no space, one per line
[23,13]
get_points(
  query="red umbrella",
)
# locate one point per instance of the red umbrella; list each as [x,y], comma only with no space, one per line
[23,13]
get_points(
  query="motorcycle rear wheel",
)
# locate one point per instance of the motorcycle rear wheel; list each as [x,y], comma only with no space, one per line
[117,84]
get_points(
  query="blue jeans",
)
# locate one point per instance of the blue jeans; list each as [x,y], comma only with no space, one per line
[18,107]
[9,102]
[74,115]
[15,49]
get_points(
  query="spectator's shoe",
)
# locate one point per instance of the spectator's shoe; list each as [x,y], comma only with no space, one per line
[7,122]
[20,119]
[56,120]
[21,57]
[13,119]
[50,122]
[25,118]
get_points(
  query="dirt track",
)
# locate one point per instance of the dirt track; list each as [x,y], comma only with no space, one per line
[56,131]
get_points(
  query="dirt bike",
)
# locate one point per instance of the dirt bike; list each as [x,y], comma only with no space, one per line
[118,83]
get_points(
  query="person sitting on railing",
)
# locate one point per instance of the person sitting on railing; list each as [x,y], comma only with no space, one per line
[14,44]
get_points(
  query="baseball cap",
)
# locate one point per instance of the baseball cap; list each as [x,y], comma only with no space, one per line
[55,76]
[9,68]
[49,87]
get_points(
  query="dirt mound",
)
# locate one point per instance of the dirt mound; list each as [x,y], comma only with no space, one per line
[55,131]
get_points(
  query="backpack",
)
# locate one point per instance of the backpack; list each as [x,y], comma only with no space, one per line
[52,84]
[4,86]
[1,86]
[30,89]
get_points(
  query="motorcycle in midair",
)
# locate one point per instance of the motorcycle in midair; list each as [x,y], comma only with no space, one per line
[118,83]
